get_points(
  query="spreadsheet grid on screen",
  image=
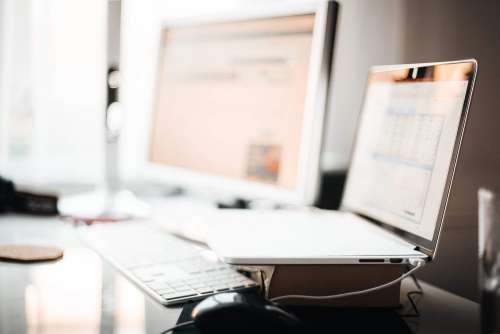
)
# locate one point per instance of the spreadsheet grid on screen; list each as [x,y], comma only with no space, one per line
[405,146]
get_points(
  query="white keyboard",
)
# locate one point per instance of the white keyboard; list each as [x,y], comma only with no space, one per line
[168,268]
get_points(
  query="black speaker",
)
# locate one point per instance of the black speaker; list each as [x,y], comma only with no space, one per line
[25,202]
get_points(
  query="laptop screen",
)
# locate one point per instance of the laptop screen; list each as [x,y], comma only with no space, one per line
[408,136]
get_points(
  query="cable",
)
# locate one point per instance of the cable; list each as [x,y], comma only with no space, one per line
[178,326]
[418,264]
[418,292]
[262,282]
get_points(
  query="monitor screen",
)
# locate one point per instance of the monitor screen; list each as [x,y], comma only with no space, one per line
[405,145]
[231,97]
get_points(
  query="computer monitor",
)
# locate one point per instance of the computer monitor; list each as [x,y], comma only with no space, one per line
[240,102]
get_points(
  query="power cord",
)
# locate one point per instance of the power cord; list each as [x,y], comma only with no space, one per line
[416,263]
[178,326]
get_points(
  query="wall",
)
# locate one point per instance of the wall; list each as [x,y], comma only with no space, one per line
[53,77]
[455,29]
[2,79]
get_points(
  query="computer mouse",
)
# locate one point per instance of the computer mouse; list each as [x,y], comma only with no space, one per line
[233,312]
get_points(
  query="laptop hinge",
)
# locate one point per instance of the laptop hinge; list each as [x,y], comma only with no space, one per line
[390,229]
[424,250]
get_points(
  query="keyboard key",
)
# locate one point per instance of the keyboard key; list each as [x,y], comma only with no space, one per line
[178,286]
[165,291]
[143,273]
[170,295]
[156,285]
[238,287]
[198,286]
[146,280]
[220,286]
[179,296]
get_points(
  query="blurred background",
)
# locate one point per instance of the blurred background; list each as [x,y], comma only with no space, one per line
[55,54]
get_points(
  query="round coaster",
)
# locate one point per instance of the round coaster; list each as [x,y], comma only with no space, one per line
[29,253]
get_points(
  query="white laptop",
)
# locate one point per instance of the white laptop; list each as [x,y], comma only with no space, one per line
[409,135]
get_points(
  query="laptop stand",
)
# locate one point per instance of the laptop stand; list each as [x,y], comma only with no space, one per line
[321,280]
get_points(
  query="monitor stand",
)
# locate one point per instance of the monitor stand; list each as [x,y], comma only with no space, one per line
[241,203]
[103,205]
[236,203]
[109,202]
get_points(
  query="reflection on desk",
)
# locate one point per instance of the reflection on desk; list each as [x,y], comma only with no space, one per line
[78,294]
[82,294]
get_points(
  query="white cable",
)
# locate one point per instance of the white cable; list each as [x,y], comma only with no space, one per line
[418,264]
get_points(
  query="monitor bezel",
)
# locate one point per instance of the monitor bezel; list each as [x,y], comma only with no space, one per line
[426,246]
[308,178]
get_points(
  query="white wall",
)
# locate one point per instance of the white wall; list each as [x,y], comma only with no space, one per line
[2,79]
[53,79]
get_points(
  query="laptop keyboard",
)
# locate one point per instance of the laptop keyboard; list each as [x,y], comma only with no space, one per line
[168,268]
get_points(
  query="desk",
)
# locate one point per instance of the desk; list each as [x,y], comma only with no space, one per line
[83,294]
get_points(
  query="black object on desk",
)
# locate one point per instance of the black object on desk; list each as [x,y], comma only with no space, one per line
[313,320]
[25,202]
[244,313]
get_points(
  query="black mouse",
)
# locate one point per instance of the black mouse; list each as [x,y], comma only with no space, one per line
[233,312]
